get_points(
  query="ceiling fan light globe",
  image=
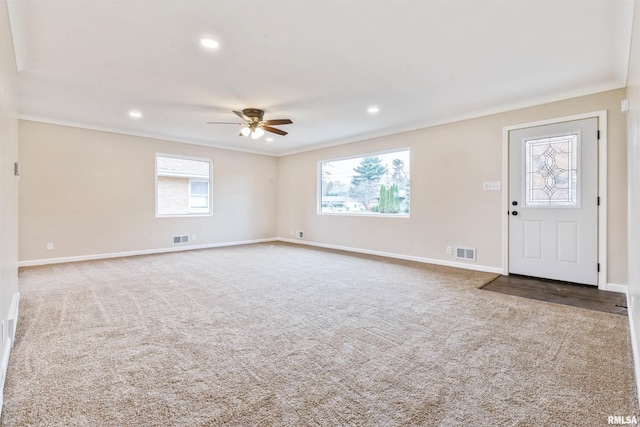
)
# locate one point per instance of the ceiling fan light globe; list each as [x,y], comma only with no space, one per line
[257,133]
[245,131]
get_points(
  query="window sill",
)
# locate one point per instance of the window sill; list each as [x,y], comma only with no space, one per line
[366,215]
[183,215]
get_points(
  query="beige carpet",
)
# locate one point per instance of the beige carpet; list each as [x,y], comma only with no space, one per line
[275,334]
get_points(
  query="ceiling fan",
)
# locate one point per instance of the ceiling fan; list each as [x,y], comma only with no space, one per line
[254,125]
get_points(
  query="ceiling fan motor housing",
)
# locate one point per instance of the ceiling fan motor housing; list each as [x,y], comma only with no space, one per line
[253,113]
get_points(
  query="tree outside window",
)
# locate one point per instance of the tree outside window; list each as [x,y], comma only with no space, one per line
[371,184]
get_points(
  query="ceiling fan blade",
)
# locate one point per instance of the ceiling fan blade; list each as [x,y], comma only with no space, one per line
[273,130]
[277,122]
[239,114]
[224,123]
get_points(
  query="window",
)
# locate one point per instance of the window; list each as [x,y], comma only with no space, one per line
[182,186]
[373,184]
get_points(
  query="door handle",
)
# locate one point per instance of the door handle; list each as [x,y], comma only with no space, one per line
[514,213]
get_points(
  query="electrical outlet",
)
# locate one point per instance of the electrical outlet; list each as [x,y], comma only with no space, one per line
[50,246]
[300,234]
[449,250]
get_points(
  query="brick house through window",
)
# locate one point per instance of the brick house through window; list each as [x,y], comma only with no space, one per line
[183,186]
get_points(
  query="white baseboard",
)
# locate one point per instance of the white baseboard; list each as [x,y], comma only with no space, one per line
[615,287]
[7,344]
[32,263]
[476,267]
[633,310]
[6,350]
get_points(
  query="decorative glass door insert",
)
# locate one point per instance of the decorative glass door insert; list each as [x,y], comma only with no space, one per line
[551,171]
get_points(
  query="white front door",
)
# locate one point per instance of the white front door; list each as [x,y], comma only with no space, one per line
[553,201]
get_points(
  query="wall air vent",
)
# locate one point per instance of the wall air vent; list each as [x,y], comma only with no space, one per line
[468,254]
[177,240]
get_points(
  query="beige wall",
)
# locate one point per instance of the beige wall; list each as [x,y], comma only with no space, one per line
[8,155]
[633,126]
[91,193]
[449,163]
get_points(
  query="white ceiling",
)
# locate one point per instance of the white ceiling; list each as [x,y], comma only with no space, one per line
[320,63]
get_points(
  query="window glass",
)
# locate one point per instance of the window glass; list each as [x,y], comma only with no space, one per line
[374,184]
[551,171]
[199,198]
[182,186]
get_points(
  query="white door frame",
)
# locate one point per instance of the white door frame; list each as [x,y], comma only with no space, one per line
[602,187]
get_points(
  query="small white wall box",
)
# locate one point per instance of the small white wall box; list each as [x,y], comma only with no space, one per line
[625,105]
[491,185]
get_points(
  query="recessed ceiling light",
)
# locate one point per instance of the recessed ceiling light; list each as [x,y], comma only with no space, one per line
[373,109]
[209,43]
[269,139]
[134,114]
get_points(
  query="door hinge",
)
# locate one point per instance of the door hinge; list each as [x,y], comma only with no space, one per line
[598,135]
[598,200]
[598,267]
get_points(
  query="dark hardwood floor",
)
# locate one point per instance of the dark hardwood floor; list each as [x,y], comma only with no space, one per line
[585,296]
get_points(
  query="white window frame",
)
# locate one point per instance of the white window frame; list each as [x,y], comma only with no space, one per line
[196,212]
[359,156]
